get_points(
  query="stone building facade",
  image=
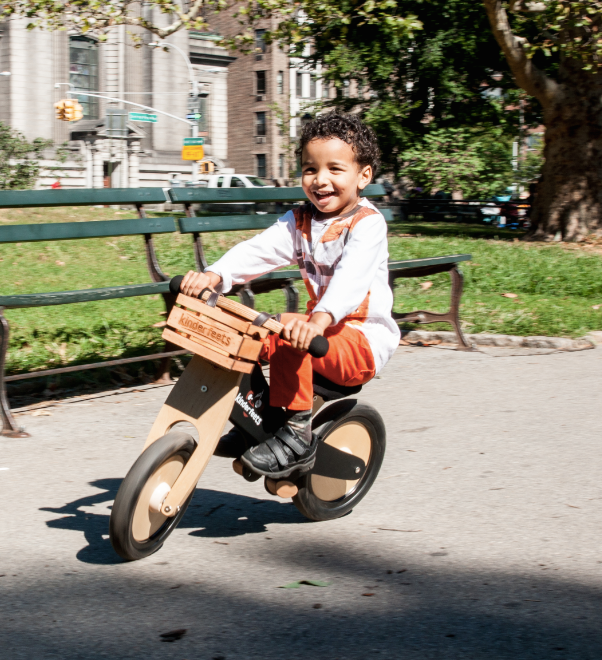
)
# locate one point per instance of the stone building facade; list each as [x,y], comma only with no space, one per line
[44,65]
[250,105]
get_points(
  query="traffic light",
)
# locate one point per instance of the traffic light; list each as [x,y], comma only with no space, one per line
[206,167]
[69,110]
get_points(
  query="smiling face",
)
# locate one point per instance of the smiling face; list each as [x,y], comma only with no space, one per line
[332,178]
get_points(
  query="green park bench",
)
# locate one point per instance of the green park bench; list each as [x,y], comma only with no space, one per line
[26,233]
[191,224]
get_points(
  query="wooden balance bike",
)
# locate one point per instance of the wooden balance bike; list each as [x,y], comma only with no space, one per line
[224,381]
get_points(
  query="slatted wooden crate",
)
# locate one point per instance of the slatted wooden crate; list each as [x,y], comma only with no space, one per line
[221,337]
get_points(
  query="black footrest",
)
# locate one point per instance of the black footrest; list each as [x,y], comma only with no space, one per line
[336,464]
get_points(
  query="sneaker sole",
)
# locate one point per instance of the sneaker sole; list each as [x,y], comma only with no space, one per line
[301,468]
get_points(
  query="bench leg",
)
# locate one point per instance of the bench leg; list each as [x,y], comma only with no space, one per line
[292,297]
[452,317]
[246,296]
[10,428]
[163,373]
[457,281]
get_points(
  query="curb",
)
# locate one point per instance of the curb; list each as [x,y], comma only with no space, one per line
[510,341]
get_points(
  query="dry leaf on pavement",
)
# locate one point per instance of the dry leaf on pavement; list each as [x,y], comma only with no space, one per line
[41,413]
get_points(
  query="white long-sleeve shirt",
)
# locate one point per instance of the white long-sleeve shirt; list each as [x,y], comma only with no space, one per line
[344,264]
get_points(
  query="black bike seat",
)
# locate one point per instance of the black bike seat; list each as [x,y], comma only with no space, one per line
[330,391]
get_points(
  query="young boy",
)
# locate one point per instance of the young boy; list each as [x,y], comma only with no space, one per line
[339,241]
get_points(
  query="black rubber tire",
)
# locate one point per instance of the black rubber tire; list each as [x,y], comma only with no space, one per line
[326,422]
[175,443]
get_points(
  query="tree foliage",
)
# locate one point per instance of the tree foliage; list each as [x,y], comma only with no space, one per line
[19,159]
[473,162]
[97,17]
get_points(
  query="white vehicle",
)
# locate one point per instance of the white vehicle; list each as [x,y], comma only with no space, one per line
[231,180]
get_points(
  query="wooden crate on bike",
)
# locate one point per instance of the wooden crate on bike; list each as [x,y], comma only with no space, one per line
[219,336]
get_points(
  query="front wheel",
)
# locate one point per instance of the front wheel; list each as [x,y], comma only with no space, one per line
[358,429]
[137,528]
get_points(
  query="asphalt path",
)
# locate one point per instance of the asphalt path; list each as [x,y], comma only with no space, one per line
[480,539]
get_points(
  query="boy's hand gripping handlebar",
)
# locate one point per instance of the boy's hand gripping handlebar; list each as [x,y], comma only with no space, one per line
[318,346]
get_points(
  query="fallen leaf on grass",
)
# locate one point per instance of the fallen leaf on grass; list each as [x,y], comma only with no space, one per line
[59,263]
[509,295]
[41,413]
[311,583]
[426,285]
[173,635]
[596,306]
[161,324]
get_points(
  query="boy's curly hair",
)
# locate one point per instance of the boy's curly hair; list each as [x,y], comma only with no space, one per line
[347,127]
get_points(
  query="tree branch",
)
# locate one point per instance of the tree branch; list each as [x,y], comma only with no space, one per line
[534,81]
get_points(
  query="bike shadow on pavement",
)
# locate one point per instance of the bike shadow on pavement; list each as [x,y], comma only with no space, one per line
[211,514]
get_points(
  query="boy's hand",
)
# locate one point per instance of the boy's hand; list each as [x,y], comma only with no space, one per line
[193,282]
[300,333]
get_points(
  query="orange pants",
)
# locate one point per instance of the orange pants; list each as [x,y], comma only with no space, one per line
[349,362]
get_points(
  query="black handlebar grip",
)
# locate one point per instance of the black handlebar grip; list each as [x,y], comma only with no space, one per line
[318,347]
[175,283]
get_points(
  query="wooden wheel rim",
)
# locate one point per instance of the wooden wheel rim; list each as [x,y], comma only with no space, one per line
[145,522]
[353,438]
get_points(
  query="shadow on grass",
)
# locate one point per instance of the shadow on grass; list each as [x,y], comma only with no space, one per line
[211,514]
[453,229]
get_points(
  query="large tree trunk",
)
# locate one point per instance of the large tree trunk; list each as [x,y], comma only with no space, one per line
[569,195]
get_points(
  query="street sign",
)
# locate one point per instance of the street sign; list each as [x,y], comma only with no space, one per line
[143,116]
[193,149]
[193,115]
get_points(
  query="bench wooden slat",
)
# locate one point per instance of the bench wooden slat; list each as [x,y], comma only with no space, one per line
[10,199]
[74,230]
[109,293]
[227,222]
[430,261]
[239,222]
[86,295]
[217,195]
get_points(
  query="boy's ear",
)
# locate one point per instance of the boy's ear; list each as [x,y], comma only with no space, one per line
[365,176]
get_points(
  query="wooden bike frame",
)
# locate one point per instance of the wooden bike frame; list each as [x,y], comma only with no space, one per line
[203,396]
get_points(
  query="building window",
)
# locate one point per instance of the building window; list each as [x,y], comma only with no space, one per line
[281,166]
[83,72]
[260,82]
[299,84]
[260,45]
[261,165]
[312,87]
[260,124]
[280,82]
[325,89]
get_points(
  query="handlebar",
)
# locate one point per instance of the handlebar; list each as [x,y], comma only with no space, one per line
[318,346]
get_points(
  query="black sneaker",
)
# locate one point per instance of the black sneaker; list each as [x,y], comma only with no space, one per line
[280,456]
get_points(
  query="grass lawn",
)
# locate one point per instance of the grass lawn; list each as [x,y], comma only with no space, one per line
[557,285]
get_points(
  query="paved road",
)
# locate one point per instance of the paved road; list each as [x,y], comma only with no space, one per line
[479,540]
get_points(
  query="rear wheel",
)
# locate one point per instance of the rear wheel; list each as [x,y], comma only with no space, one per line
[359,430]
[138,528]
